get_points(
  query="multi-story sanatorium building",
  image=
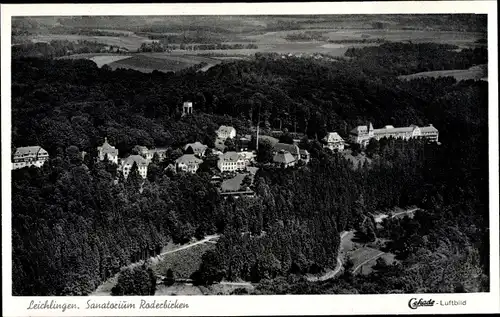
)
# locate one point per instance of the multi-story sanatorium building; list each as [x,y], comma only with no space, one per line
[362,134]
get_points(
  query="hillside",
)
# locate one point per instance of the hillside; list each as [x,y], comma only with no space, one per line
[86,228]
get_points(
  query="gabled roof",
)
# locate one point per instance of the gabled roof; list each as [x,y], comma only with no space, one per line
[29,150]
[283,157]
[139,160]
[196,146]
[188,159]
[231,156]
[291,148]
[333,137]
[107,148]
[225,129]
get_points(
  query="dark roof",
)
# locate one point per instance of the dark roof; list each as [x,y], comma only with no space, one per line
[291,148]
[283,157]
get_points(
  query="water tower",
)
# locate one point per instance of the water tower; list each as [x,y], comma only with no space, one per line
[187,108]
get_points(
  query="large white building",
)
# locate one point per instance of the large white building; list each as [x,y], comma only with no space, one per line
[363,134]
[109,150]
[127,163]
[231,161]
[188,163]
[225,132]
[29,156]
[333,141]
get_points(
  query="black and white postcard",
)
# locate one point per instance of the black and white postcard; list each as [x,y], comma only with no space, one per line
[187,159]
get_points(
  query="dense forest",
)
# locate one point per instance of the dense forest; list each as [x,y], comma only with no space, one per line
[73,227]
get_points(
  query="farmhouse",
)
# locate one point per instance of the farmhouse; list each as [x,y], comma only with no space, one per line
[197,147]
[108,150]
[188,163]
[231,161]
[284,159]
[333,141]
[29,156]
[363,134]
[141,162]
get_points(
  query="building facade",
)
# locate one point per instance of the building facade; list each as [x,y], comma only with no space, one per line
[108,150]
[29,156]
[333,141]
[362,134]
[231,161]
[141,162]
[188,163]
[187,108]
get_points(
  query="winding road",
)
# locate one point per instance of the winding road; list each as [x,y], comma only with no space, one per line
[331,274]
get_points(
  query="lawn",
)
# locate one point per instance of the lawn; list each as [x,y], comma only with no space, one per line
[146,64]
[233,184]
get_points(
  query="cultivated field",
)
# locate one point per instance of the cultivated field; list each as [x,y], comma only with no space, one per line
[107,59]
[479,72]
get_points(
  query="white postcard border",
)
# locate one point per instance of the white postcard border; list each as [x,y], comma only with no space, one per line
[256,305]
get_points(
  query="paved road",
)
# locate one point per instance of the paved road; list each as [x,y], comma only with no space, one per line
[337,269]
[190,245]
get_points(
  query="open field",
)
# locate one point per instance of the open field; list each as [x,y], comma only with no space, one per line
[107,59]
[479,72]
[183,263]
[366,267]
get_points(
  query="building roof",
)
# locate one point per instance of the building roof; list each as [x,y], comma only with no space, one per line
[362,129]
[291,148]
[429,128]
[188,159]
[303,152]
[142,148]
[28,150]
[225,129]
[283,157]
[139,160]
[231,156]
[333,137]
[107,148]
[196,146]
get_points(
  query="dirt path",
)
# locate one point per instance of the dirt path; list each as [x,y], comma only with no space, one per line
[366,261]
[337,269]
[409,211]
